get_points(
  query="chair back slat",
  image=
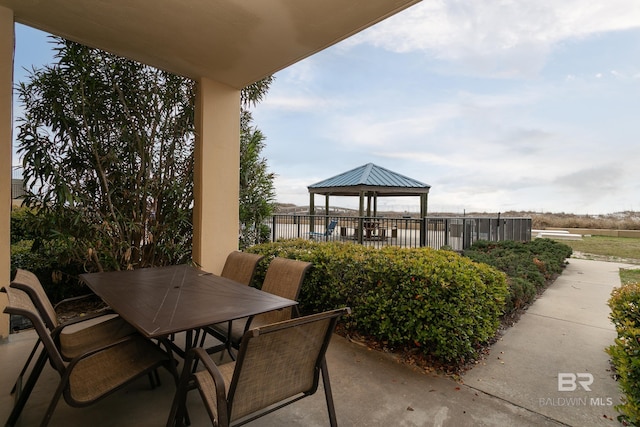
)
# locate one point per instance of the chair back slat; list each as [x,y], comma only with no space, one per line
[20,304]
[241,266]
[284,278]
[29,283]
[280,361]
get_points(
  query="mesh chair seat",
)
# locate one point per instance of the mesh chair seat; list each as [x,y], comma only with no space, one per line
[73,344]
[95,376]
[277,365]
[77,335]
[207,386]
[90,376]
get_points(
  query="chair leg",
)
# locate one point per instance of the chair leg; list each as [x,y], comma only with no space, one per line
[53,404]
[28,387]
[154,379]
[16,386]
[203,339]
[327,393]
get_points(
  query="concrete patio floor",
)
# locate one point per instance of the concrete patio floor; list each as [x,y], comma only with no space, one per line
[566,330]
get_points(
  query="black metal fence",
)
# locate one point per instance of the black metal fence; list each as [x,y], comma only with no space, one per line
[458,233]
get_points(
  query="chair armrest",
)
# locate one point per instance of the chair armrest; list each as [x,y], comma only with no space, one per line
[73,299]
[58,330]
[218,380]
[97,313]
[115,343]
[247,325]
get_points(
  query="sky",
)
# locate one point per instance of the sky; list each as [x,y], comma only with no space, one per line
[499,105]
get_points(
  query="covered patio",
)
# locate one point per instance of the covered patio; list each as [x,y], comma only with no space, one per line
[370,388]
[223,45]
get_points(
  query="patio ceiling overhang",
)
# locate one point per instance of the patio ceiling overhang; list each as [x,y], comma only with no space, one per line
[231,42]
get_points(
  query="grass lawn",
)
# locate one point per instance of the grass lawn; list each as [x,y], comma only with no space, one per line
[629,275]
[626,248]
[623,249]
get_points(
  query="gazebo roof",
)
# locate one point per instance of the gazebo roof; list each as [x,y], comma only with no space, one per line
[370,178]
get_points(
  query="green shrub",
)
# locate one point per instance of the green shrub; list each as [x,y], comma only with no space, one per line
[439,301]
[60,280]
[47,259]
[20,228]
[530,266]
[625,352]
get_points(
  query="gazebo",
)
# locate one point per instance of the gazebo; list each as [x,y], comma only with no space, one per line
[369,181]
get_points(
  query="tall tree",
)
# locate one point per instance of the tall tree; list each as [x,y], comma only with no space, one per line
[257,193]
[107,146]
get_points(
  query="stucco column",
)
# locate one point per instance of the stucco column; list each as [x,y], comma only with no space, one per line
[216,174]
[6,132]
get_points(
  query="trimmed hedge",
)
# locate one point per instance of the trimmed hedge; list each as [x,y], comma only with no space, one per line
[445,304]
[625,353]
[530,266]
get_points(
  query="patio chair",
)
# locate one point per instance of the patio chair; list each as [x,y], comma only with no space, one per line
[327,233]
[241,266]
[90,376]
[73,337]
[277,365]
[284,278]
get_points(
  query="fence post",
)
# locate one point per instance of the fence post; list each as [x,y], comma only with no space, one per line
[446,232]
[273,228]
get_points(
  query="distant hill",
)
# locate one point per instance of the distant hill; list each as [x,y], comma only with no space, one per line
[627,220]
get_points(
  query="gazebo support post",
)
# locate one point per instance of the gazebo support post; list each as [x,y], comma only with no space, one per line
[423,220]
[360,221]
[312,212]
[375,204]
[423,204]
[326,211]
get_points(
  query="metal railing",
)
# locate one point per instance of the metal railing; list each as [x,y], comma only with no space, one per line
[458,233]
[17,188]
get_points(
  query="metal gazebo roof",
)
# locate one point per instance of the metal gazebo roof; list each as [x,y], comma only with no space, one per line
[370,180]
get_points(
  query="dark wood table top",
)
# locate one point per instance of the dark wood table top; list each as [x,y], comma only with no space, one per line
[159,301]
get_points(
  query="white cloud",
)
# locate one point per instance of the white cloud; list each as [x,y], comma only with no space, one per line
[505,38]
[296,102]
[541,141]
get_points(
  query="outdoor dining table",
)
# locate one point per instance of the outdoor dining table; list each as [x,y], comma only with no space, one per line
[161,301]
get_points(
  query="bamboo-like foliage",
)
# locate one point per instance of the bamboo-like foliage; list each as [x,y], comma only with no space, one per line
[257,194]
[107,147]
